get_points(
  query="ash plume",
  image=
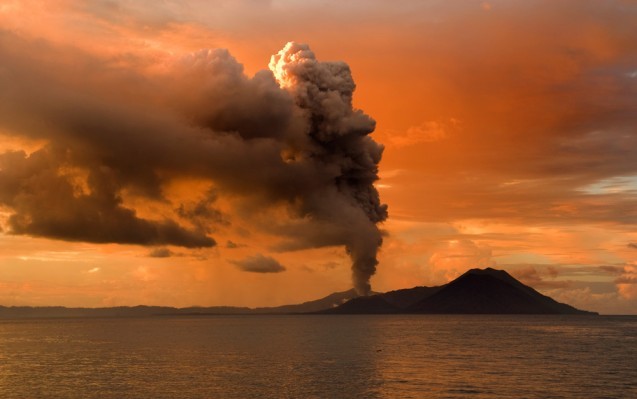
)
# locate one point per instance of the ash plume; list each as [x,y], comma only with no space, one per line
[285,138]
[339,140]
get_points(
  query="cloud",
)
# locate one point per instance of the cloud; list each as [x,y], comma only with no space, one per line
[202,214]
[160,252]
[456,257]
[200,118]
[232,245]
[287,139]
[426,132]
[627,282]
[540,277]
[551,110]
[259,264]
[612,269]
[46,204]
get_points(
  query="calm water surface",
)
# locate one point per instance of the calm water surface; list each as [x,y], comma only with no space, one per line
[320,357]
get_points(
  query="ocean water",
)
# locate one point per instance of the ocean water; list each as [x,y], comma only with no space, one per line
[415,356]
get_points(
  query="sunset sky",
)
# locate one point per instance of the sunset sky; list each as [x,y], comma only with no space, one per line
[509,131]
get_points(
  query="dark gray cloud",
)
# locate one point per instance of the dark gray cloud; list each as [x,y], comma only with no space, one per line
[46,204]
[259,264]
[286,137]
[202,213]
[160,252]
[350,207]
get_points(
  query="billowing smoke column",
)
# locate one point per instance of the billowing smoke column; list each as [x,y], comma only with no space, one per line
[286,139]
[339,134]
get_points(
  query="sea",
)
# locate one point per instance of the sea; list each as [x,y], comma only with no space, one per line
[320,356]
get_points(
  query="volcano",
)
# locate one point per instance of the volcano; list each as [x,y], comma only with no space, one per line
[478,291]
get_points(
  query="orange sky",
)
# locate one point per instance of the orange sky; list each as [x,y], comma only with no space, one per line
[509,134]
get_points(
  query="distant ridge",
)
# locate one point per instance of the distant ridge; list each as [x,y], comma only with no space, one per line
[330,301]
[478,291]
[19,312]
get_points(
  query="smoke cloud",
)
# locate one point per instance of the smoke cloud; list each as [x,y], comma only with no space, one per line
[287,138]
[339,141]
[161,252]
[260,264]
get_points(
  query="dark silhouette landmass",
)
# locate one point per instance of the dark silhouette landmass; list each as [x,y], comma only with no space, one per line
[118,311]
[478,291]
[330,301]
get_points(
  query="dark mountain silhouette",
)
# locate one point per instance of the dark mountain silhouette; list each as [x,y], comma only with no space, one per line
[408,296]
[487,291]
[14,312]
[493,292]
[389,302]
[478,291]
[373,304]
[330,301]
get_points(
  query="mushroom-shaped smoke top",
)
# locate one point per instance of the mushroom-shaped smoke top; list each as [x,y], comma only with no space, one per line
[340,141]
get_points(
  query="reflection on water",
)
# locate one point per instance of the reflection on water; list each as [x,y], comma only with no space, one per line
[320,357]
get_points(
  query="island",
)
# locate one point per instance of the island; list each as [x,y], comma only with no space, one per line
[478,291]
